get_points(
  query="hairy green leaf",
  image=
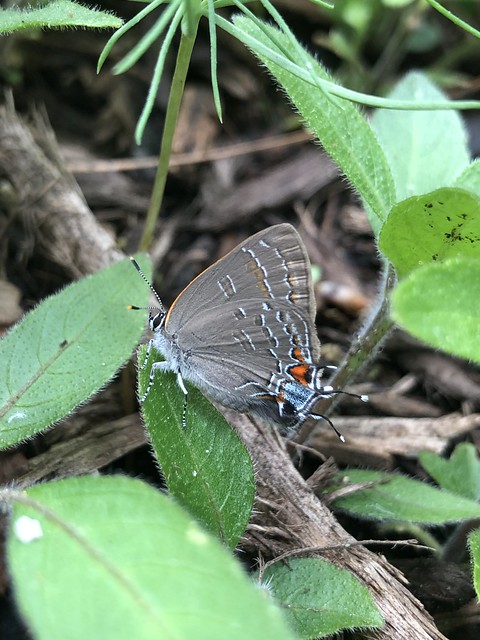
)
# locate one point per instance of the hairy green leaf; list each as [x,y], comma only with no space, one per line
[440,304]
[460,474]
[319,598]
[431,228]
[341,129]
[474,544]
[56,15]
[112,558]
[394,497]
[206,466]
[66,349]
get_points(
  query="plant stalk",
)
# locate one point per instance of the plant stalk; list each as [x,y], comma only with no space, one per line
[173,108]
[364,348]
[369,339]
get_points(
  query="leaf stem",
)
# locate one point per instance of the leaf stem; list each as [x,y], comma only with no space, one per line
[176,92]
[371,335]
[363,349]
[261,49]
[455,19]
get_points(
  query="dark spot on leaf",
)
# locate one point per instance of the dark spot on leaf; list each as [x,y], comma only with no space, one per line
[454,235]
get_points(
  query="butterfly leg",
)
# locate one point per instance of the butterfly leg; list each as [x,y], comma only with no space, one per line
[142,366]
[156,366]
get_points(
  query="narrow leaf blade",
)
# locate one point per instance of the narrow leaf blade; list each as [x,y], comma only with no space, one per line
[56,15]
[394,497]
[474,544]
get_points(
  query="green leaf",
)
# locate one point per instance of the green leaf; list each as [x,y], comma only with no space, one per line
[191,10]
[66,349]
[319,598]
[157,75]
[425,149]
[212,28]
[397,3]
[327,4]
[341,129]
[460,474]
[112,558]
[55,15]
[474,544]
[124,28]
[469,179]
[432,228]
[395,497]
[206,466]
[148,39]
[440,304]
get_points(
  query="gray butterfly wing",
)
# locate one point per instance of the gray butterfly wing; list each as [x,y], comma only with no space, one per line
[268,268]
[240,320]
[245,363]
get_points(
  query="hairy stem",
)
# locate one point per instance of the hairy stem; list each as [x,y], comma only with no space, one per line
[364,347]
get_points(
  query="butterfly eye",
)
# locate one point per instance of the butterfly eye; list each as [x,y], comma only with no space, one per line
[154,322]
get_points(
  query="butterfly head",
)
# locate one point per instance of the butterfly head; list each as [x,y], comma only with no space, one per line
[156,319]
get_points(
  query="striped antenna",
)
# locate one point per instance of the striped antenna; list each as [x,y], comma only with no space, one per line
[160,303]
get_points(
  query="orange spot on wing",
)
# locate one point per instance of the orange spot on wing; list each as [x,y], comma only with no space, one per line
[298,355]
[300,373]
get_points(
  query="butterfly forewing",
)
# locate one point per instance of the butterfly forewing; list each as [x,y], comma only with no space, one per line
[266,274]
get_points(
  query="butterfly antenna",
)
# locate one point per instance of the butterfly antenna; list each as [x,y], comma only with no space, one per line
[363,397]
[137,267]
[330,423]
[335,392]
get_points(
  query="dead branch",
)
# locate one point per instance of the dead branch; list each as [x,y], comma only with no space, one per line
[299,510]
